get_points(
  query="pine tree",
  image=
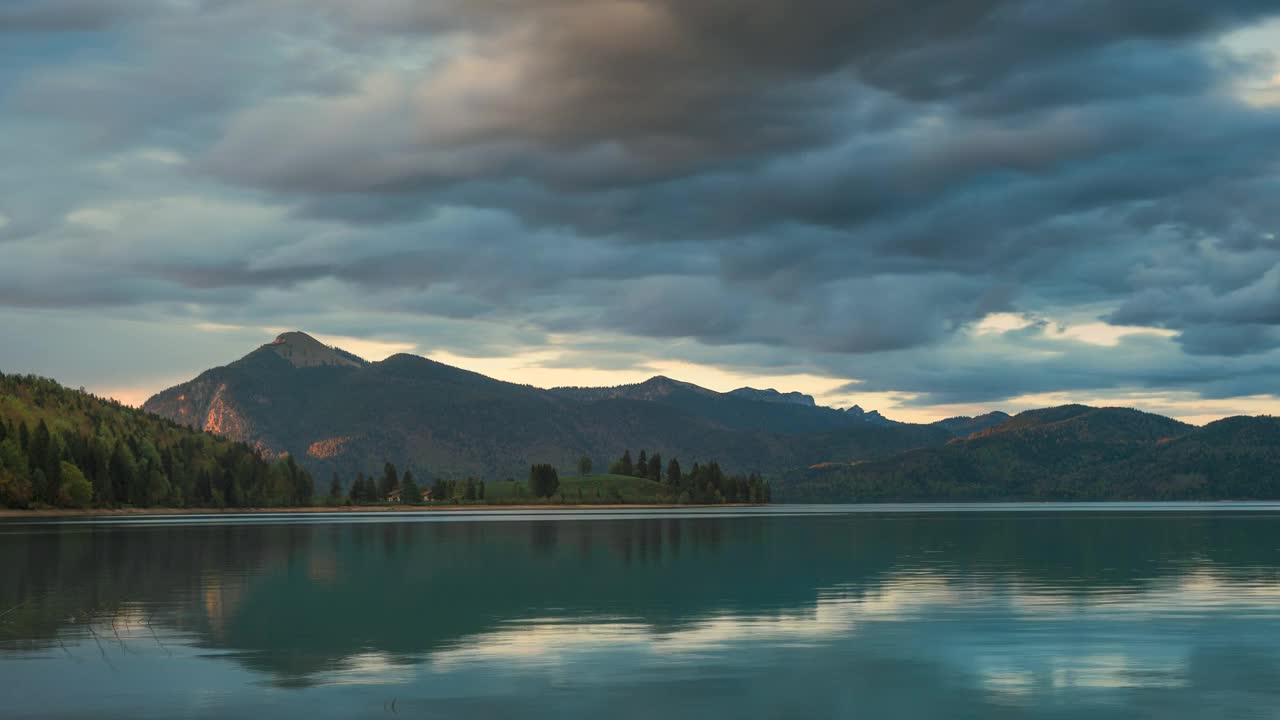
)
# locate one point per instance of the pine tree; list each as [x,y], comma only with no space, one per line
[624,465]
[124,473]
[654,471]
[335,490]
[38,454]
[390,481]
[642,466]
[357,490]
[409,492]
[673,473]
[544,481]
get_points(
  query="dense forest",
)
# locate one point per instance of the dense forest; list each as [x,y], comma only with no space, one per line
[66,448]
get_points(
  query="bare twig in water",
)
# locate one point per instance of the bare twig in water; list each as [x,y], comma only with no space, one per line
[15,607]
[156,635]
[98,640]
[65,650]
[119,639]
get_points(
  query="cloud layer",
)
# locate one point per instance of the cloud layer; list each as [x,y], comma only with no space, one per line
[847,189]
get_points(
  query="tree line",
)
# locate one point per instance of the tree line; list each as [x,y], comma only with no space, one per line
[404,489]
[703,484]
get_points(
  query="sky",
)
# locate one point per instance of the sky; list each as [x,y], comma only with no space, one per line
[927,208]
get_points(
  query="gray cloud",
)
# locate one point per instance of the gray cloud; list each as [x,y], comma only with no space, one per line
[852,183]
[19,16]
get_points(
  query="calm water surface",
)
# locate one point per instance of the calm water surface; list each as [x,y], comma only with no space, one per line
[1115,611]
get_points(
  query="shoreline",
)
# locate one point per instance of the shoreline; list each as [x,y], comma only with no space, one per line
[6,514]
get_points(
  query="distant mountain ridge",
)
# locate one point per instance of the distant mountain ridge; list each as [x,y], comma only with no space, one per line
[337,412]
[869,416]
[1072,452]
[963,426]
[771,395]
[334,411]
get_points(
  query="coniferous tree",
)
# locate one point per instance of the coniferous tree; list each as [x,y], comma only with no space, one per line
[642,466]
[38,447]
[39,483]
[124,473]
[673,473]
[39,452]
[390,481]
[543,480]
[409,492]
[654,471]
[335,489]
[357,490]
[625,466]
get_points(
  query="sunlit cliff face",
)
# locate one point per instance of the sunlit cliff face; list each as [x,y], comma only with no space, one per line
[223,419]
[327,448]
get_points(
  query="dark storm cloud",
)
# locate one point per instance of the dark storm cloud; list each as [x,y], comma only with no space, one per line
[857,183]
[615,93]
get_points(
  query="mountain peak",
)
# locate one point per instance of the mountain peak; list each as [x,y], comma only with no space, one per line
[872,417]
[663,385]
[294,336]
[965,425]
[772,395]
[302,350]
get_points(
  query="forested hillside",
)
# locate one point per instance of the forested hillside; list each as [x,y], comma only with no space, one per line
[66,448]
[1072,452]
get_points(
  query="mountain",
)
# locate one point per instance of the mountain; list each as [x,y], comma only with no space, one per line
[964,426]
[1073,452]
[771,395]
[334,411]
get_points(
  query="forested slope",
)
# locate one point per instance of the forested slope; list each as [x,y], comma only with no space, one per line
[63,447]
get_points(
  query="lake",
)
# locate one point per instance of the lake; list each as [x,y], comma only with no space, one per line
[1060,611]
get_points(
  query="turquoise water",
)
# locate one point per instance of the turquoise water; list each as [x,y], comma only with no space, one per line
[1021,611]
